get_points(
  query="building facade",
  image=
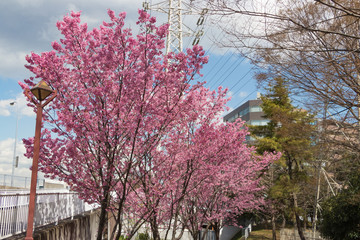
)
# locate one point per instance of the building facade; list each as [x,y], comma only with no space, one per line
[251,112]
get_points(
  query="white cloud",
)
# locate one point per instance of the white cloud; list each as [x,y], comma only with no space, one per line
[31,26]
[6,151]
[243,94]
[4,107]
[230,94]
[20,107]
[32,3]
[72,7]
[12,61]
[7,156]
[24,109]
[22,174]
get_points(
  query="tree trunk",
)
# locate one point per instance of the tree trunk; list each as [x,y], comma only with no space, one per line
[217,230]
[272,208]
[194,228]
[297,218]
[203,233]
[283,224]
[114,229]
[118,235]
[118,226]
[273,223]
[194,234]
[174,227]
[102,219]
[154,229]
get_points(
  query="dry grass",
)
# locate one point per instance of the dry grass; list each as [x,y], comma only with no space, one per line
[264,234]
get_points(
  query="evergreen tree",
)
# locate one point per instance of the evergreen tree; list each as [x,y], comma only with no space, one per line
[290,131]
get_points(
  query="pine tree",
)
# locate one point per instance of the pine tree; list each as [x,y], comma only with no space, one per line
[290,131]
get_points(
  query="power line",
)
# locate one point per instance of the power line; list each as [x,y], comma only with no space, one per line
[242,100]
[176,11]
[213,44]
[340,112]
[230,72]
[221,67]
[239,81]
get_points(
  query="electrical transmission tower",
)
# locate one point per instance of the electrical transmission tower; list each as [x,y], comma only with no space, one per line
[175,9]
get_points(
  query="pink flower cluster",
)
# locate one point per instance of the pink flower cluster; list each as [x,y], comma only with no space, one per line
[130,131]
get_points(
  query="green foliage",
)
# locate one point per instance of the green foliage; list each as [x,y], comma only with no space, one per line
[122,237]
[143,236]
[290,129]
[341,214]
[291,132]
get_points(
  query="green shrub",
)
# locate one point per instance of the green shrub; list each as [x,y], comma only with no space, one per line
[122,237]
[143,236]
[341,213]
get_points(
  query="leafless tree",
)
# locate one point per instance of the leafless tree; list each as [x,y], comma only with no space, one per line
[312,43]
[315,45]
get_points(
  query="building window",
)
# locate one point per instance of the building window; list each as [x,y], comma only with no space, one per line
[259,122]
[244,112]
[249,138]
[255,109]
[232,119]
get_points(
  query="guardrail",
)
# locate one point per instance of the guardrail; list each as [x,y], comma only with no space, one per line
[50,208]
[18,181]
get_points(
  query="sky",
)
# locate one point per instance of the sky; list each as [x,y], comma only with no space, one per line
[29,26]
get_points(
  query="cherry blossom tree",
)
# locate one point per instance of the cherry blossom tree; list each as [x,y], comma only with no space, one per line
[229,185]
[118,96]
[131,131]
[206,174]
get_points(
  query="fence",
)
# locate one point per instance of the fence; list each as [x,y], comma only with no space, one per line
[50,208]
[209,234]
[18,181]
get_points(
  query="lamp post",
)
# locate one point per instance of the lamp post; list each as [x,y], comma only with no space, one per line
[41,91]
[16,133]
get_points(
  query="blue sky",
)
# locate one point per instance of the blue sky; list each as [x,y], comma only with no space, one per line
[29,25]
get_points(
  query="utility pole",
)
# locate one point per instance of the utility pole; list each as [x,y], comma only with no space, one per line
[16,133]
[175,10]
[317,198]
[322,142]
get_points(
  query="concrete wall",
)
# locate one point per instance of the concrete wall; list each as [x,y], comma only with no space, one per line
[94,222]
[49,185]
[186,235]
[83,227]
[288,234]
[68,230]
[228,232]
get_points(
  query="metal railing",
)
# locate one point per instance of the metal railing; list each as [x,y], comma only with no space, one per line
[50,208]
[18,182]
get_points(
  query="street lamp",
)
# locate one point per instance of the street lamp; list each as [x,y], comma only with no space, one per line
[16,132]
[41,91]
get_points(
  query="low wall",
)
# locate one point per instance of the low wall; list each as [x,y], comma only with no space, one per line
[228,232]
[52,206]
[73,229]
[82,227]
[288,234]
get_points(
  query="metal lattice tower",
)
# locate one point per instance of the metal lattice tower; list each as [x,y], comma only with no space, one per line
[175,9]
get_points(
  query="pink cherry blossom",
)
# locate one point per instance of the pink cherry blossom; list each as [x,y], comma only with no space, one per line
[131,131]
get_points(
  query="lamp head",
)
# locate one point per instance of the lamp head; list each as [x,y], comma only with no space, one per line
[41,90]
